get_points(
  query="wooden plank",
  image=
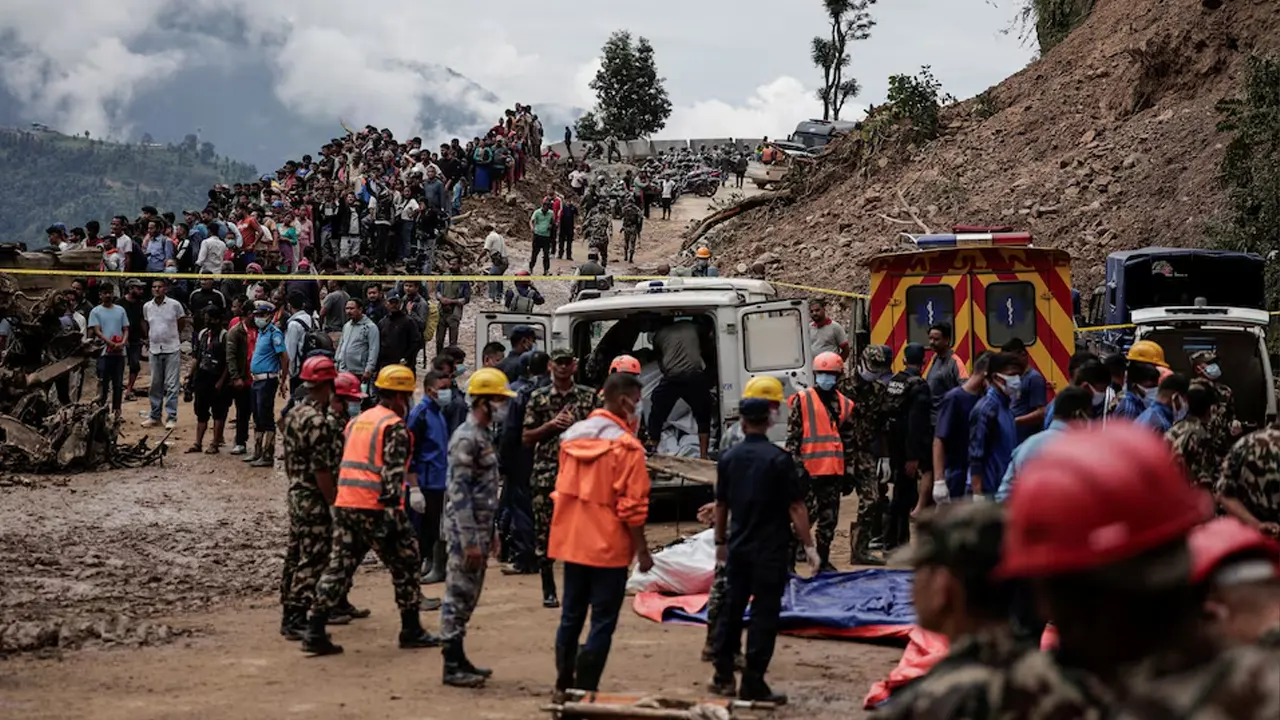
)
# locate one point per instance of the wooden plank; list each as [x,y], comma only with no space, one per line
[55,370]
[694,470]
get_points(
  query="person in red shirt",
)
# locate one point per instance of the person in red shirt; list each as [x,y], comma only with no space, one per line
[250,233]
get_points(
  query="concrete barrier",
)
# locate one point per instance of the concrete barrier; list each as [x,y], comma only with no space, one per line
[697,143]
[636,148]
[751,143]
[669,146]
[642,149]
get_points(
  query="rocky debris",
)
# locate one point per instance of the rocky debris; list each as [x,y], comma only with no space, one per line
[1092,131]
[109,631]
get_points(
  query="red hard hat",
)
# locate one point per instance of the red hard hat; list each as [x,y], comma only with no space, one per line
[828,362]
[625,364]
[1217,540]
[1094,497]
[318,369]
[522,273]
[348,385]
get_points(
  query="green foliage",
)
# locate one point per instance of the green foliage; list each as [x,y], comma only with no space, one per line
[850,21]
[984,105]
[1053,20]
[631,99]
[1250,168]
[50,178]
[918,100]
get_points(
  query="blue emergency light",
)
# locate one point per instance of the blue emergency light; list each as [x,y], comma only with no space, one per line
[1005,239]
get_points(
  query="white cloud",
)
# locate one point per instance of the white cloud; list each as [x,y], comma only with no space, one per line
[772,110]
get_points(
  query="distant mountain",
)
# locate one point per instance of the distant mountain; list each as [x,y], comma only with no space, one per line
[48,177]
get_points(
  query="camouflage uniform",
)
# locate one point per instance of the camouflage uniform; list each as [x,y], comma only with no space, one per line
[631,220]
[1223,415]
[871,404]
[311,444]
[823,499]
[598,228]
[544,404]
[388,532]
[1251,474]
[1204,682]
[720,585]
[470,504]
[1193,446]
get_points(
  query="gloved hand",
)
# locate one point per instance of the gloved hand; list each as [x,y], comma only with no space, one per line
[722,555]
[417,500]
[811,554]
[883,471]
[941,495]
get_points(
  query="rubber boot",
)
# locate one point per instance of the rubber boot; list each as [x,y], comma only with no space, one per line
[257,449]
[549,597]
[465,663]
[411,633]
[293,623]
[454,674]
[316,641]
[566,666]
[588,669]
[724,685]
[861,550]
[438,565]
[267,457]
[754,688]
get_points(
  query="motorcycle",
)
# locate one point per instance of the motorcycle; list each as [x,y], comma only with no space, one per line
[705,183]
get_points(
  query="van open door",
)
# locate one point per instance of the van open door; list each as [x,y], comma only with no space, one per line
[773,339]
[497,327]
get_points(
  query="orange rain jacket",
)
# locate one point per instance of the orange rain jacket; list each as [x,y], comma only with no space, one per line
[602,490]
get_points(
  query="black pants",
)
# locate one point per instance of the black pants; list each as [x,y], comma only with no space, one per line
[111,375]
[761,583]
[647,200]
[208,401]
[264,404]
[243,398]
[601,590]
[515,522]
[565,248]
[690,387]
[541,243]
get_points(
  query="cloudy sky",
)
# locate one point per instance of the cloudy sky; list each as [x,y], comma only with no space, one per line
[733,67]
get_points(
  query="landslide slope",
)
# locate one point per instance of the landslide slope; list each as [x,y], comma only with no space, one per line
[1108,142]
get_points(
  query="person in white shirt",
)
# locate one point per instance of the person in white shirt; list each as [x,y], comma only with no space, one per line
[124,243]
[212,252]
[495,248]
[164,319]
[578,180]
[668,196]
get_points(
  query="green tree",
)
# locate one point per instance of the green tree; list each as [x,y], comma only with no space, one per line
[1052,20]
[850,21]
[631,98]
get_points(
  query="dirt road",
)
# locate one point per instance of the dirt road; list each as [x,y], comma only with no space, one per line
[153,594]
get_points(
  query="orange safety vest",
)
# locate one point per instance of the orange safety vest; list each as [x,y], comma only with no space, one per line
[360,475]
[821,450]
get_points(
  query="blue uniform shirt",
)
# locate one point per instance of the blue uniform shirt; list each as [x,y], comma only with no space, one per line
[992,437]
[430,445]
[953,431]
[1158,417]
[266,353]
[1034,395]
[1131,405]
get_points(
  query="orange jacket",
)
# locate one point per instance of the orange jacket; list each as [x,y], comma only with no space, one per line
[602,490]
[360,475]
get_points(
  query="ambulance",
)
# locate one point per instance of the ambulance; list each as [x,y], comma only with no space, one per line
[990,286]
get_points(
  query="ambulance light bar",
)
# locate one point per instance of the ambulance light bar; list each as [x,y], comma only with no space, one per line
[1009,239]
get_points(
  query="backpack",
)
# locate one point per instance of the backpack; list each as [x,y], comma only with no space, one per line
[314,338]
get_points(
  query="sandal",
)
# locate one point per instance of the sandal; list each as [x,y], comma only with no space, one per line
[213,449]
[193,449]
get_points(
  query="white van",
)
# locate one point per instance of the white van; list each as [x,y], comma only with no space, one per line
[746,330]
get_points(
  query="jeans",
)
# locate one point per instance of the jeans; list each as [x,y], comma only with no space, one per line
[761,583]
[264,404]
[350,246]
[406,238]
[166,371]
[600,589]
[495,286]
[111,374]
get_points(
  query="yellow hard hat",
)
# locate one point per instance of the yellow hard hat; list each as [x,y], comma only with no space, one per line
[703,252]
[763,387]
[1148,352]
[489,381]
[395,377]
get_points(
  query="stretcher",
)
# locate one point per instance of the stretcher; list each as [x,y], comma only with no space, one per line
[580,704]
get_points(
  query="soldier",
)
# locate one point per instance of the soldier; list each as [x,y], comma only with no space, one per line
[471,501]
[1240,568]
[1190,438]
[369,512]
[310,459]
[631,221]
[1223,426]
[1249,485]
[551,411]
[956,548]
[599,230]
[1098,524]
[870,470]
[910,438]
[820,439]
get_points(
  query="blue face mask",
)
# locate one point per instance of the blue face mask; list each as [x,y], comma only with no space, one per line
[460,370]
[826,381]
[1212,371]
[353,407]
[445,396]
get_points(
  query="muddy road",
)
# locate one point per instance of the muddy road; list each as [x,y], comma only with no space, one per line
[153,593]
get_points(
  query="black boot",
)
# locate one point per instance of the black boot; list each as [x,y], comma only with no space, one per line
[724,685]
[755,688]
[317,641]
[293,623]
[862,554]
[454,674]
[566,666]
[549,598]
[588,669]
[465,663]
[411,633]
[437,565]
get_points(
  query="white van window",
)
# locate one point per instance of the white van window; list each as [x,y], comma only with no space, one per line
[774,340]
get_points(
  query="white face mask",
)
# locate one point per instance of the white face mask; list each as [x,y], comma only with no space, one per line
[498,412]
[1012,385]
[444,397]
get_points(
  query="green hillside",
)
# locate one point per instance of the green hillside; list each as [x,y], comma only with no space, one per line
[47,177]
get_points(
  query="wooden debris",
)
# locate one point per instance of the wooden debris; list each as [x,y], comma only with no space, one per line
[694,470]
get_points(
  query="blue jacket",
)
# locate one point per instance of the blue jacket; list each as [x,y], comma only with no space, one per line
[993,435]
[1158,417]
[430,445]
[1024,452]
[1131,405]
